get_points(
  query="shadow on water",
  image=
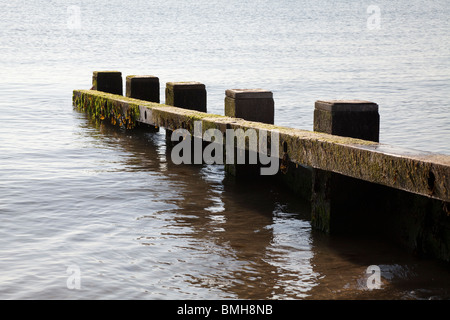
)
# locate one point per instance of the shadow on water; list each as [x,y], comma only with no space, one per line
[258,236]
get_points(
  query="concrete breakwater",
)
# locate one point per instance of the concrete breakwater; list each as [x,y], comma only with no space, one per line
[353,181]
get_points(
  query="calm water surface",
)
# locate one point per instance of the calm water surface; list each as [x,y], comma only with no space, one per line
[111,204]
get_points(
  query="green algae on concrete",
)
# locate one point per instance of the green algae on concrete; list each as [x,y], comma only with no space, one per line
[101,107]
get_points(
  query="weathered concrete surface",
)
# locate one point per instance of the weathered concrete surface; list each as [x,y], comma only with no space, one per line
[107,81]
[143,88]
[348,118]
[423,173]
[188,95]
[250,104]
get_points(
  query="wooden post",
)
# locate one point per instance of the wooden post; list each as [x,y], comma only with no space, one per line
[336,199]
[107,81]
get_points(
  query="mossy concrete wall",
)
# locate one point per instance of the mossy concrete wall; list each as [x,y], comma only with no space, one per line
[414,171]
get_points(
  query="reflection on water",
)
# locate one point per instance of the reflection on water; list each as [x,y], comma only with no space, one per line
[247,240]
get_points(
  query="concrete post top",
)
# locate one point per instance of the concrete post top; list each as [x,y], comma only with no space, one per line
[346,105]
[107,71]
[185,85]
[142,77]
[248,93]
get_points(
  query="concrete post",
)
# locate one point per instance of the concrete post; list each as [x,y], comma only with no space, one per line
[187,95]
[252,105]
[143,88]
[107,81]
[348,118]
[336,199]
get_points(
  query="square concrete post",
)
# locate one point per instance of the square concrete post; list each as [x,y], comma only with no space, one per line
[143,88]
[107,81]
[336,199]
[252,105]
[349,118]
[187,95]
